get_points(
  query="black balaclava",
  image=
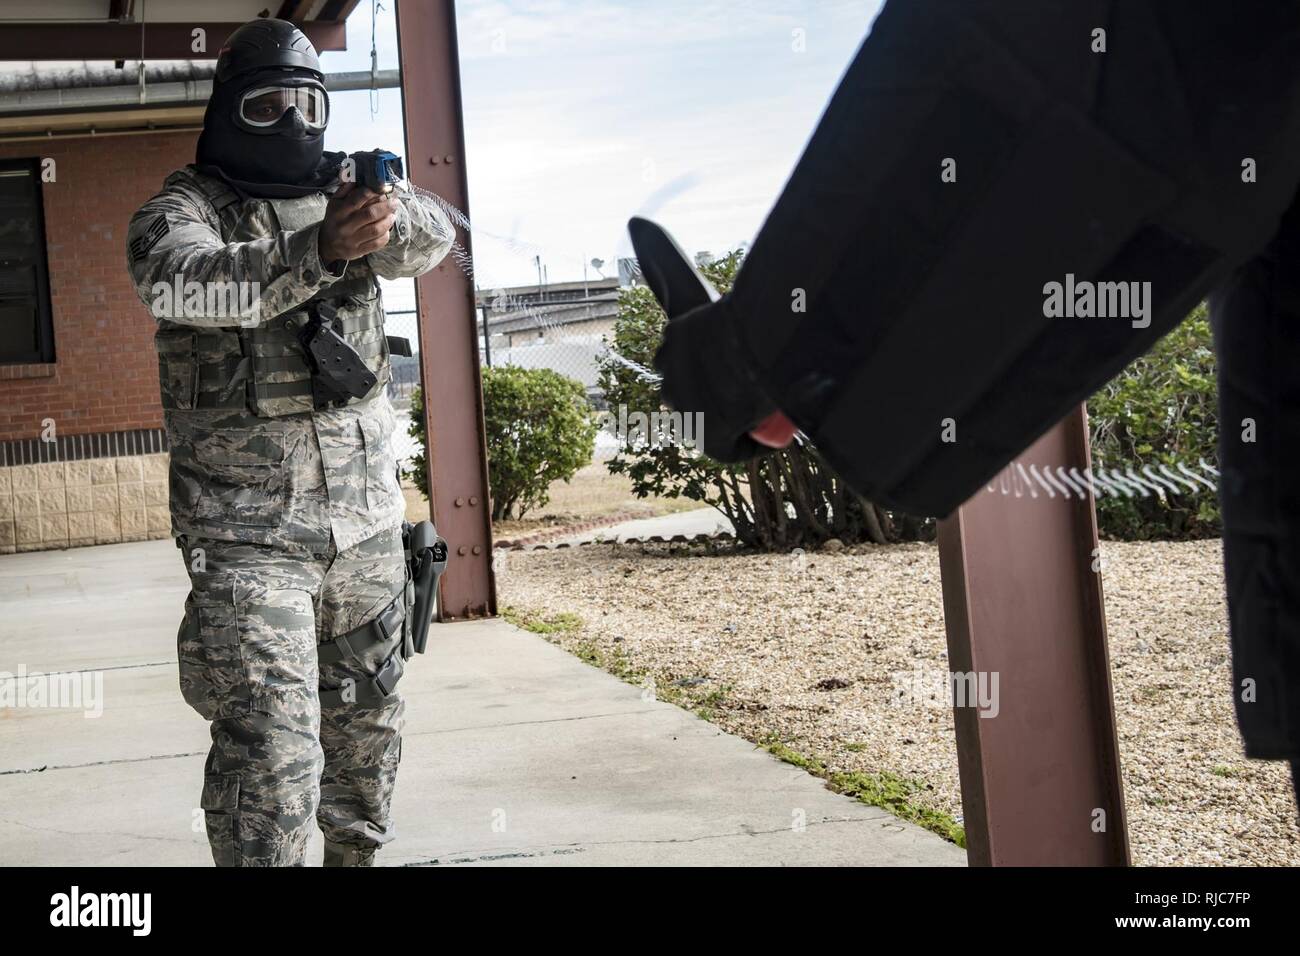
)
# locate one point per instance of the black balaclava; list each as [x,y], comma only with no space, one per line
[287,159]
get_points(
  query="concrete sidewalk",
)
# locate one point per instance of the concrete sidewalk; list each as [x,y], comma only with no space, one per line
[515,752]
[708,521]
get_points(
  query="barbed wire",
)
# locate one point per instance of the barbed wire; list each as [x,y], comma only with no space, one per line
[1126,481]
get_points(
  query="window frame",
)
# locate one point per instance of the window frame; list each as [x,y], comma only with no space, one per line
[44,353]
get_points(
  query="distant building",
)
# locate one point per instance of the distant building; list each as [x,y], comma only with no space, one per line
[561,325]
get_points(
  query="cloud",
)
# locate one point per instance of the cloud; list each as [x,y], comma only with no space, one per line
[579,113]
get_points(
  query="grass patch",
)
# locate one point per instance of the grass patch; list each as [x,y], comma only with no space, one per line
[555,627]
[782,752]
[615,663]
[1223,770]
[589,652]
[562,623]
[885,790]
[670,693]
[707,705]
[892,793]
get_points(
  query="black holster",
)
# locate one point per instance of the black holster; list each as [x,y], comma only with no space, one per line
[339,373]
[426,559]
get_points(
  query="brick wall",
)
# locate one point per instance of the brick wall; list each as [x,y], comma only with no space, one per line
[97,476]
[105,374]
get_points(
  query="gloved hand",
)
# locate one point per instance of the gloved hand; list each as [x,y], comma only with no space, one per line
[716,381]
[357,222]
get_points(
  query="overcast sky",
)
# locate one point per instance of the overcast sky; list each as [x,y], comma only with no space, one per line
[580,113]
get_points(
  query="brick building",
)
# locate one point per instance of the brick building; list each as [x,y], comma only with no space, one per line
[81,445]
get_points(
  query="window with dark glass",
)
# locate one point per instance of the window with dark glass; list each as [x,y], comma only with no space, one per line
[26,332]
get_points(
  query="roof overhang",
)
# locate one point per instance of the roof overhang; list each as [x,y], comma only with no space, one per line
[114,29]
[101,123]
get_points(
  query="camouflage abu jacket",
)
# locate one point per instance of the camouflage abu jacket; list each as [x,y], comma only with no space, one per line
[226,277]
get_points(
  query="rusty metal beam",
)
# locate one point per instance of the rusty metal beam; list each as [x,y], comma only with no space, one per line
[1040,781]
[117,41]
[449,359]
[296,11]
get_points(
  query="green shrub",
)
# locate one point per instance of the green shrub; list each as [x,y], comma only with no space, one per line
[539,427]
[418,471]
[1161,409]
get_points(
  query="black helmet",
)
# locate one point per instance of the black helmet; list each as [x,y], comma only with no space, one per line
[270,68]
[266,44]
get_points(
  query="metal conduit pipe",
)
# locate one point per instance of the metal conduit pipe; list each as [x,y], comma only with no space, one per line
[166,93]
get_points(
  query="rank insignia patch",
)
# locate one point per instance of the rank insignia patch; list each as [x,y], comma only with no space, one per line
[142,243]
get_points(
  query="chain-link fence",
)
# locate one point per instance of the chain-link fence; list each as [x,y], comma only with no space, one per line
[562,326]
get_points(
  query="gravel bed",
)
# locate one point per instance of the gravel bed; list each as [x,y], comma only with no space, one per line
[805,649]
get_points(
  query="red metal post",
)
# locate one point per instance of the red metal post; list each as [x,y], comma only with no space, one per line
[1040,781]
[449,357]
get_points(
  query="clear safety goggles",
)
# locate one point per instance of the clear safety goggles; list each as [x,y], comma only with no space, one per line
[266,105]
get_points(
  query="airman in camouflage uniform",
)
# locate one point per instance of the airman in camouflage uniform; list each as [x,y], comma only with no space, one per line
[286,507]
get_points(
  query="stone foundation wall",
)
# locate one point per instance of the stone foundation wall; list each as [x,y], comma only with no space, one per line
[66,504]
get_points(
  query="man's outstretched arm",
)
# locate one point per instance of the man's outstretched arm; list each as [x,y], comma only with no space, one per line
[173,241]
[421,236]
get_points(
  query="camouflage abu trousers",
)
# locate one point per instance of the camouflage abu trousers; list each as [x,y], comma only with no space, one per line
[248,663]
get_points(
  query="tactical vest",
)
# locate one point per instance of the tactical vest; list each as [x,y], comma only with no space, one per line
[265,368]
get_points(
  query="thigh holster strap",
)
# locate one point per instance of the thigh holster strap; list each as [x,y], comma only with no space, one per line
[385,629]
[372,691]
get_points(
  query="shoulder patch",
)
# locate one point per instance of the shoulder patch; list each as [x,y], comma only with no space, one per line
[149,237]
